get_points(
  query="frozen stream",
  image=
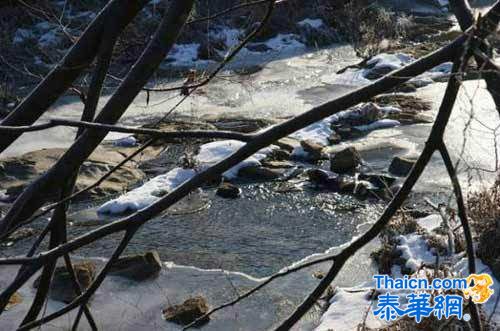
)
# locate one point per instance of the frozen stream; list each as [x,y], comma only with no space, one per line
[264,230]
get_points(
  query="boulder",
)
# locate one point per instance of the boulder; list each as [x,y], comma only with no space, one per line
[313,149]
[401,166]
[137,267]
[228,191]
[62,287]
[345,161]
[256,172]
[17,172]
[187,312]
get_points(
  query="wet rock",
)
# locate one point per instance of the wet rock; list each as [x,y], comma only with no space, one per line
[334,138]
[345,161]
[288,144]
[321,177]
[187,312]
[259,173]
[346,184]
[378,72]
[228,191]
[62,288]
[401,166]
[137,267]
[313,149]
[380,181]
[17,172]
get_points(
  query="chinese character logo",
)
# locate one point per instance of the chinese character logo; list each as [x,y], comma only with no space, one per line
[480,292]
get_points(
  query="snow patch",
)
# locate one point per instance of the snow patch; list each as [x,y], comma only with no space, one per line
[148,193]
[313,23]
[348,309]
[285,42]
[415,251]
[214,152]
[430,222]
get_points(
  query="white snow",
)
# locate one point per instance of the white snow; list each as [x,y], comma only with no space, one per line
[415,251]
[348,308]
[285,43]
[430,222]
[148,193]
[230,36]
[214,152]
[313,23]
[185,55]
[317,132]
[393,61]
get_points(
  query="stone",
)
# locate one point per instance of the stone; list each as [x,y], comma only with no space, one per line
[288,144]
[378,72]
[256,172]
[228,191]
[345,161]
[313,149]
[318,176]
[401,166]
[272,164]
[18,171]
[187,312]
[137,267]
[380,181]
[62,287]
[346,184]
[334,138]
